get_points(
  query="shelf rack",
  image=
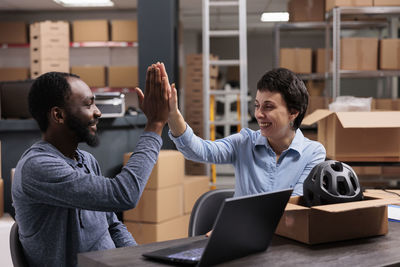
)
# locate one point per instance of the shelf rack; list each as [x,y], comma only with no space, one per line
[334,17]
[333,22]
[80,44]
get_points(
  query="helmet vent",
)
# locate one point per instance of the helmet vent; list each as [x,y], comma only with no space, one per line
[325,182]
[353,182]
[337,166]
[342,186]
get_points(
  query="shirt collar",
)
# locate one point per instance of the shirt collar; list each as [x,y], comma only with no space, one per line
[296,145]
[78,154]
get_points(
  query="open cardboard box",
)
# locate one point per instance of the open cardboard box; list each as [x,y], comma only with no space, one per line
[335,222]
[358,135]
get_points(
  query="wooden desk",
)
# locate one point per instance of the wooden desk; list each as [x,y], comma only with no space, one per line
[373,251]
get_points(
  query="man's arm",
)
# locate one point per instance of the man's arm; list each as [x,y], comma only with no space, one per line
[49,179]
[118,232]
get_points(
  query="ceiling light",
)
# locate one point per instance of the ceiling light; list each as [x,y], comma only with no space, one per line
[274,16]
[84,3]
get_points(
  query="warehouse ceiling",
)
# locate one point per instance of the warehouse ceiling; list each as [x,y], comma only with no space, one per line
[190,11]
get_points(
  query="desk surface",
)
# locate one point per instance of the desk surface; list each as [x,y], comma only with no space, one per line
[373,251]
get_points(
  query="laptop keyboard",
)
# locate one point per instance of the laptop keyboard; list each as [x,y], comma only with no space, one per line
[191,254]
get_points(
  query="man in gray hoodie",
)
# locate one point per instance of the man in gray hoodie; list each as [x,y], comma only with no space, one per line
[63,204]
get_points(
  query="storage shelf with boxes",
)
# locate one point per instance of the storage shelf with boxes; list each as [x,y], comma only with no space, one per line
[358,58]
[97,34]
[102,52]
[361,53]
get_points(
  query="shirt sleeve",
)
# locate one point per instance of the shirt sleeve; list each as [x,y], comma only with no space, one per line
[317,157]
[49,179]
[221,151]
[118,232]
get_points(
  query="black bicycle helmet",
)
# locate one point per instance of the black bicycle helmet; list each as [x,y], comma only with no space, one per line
[331,182]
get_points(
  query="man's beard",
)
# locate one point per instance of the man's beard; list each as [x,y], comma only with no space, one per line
[82,130]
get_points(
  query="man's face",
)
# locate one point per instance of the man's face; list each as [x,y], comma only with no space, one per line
[81,112]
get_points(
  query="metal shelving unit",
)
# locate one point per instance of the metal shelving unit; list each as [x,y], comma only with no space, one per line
[334,17]
[335,24]
[321,26]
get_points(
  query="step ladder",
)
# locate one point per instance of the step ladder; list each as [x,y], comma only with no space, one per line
[210,95]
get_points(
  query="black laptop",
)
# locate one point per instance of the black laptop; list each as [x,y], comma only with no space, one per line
[244,225]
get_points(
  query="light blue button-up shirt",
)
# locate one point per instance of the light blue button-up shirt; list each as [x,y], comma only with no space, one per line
[256,167]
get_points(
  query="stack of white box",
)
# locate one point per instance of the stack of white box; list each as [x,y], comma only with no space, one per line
[49,47]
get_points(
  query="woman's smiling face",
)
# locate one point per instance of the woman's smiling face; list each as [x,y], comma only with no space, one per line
[272,114]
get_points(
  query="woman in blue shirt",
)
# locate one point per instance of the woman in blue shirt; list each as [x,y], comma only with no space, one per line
[275,157]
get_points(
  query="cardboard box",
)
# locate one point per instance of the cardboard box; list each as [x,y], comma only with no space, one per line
[298,60]
[359,53]
[347,135]
[155,232]
[40,67]
[329,4]
[391,171]
[123,76]
[94,76]
[193,188]
[168,170]
[13,33]
[90,31]
[157,205]
[124,31]
[53,53]
[379,193]
[1,197]
[306,10]
[13,74]
[335,222]
[49,29]
[367,170]
[315,87]
[320,62]
[49,50]
[385,104]
[389,54]
[191,167]
[317,102]
[386,3]
[49,40]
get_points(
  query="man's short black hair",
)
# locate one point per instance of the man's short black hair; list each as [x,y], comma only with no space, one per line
[48,90]
[292,89]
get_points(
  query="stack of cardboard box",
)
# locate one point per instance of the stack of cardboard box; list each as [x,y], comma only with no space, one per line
[99,31]
[329,4]
[49,47]
[299,60]
[124,31]
[90,30]
[306,10]
[14,33]
[163,211]
[194,101]
[13,74]
[389,54]
[359,53]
